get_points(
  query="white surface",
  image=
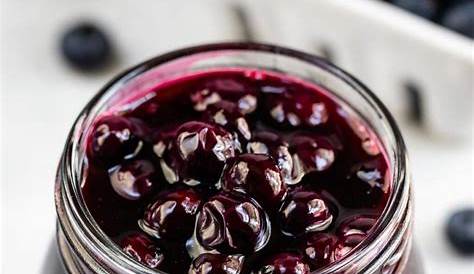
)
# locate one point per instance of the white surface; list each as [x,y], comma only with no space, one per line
[41,96]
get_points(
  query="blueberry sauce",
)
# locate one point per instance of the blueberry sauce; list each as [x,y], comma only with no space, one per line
[226,172]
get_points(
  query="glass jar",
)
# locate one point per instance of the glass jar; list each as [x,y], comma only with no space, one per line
[84,248]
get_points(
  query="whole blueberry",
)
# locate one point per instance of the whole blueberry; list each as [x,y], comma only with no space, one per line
[141,248]
[423,8]
[460,18]
[232,224]
[304,211]
[284,263]
[257,175]
[86,46]
[208,263]
[172,215]
[460,231]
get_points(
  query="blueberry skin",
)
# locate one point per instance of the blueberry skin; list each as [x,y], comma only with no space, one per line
[85,46]
[460,231]
[460,18]
[424,8]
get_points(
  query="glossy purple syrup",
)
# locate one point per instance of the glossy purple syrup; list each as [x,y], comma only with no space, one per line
[239,172]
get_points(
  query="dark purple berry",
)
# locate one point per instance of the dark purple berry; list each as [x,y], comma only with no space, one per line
[266,142]
[318,249]
[284,263]
[238,92]
[141,248]
[311,153]
[86,46]
[133,180]
[232,224]
[217,264]
[460,231]
[294,109]
[358,224]
[113,139]
[196,154]
[228,115]
[352,232]
[366,185]
[256,175]
[172,215]
[303,212]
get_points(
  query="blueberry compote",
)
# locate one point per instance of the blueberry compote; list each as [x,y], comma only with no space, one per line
[235,172]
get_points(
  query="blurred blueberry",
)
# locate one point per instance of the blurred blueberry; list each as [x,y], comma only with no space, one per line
[424,8]
[460,18]
[460,231]
[86,46]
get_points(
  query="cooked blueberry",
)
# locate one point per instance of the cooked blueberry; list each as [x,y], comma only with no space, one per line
[142,249]
[217,264]
[292,109]
[311,153]
[172,215]
[284,263]
[114,138]
[423,8]
[318,249]
[460,18]
[196,154]
[133,180]
[86,46]
[232,224]
[366,184]
[460,231]
[227,115]
[242,93]
[352,232]
[303,212]
[266,142]
[256,175]
[358,224]
[346,244]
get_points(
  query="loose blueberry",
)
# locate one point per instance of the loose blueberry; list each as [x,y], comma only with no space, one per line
[196,154]
[460,18]
[142,249]
[256,175]
[114,139]
[266,142]
[86,46]
[304,212]
[217,264]
[460,231]
[284,263]
[232,224]
[172,215]
[423,8]
[133,180]
[319,249]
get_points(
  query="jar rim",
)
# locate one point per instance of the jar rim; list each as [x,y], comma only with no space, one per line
[68,179]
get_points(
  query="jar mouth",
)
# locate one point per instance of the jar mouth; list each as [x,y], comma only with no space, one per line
[70,170]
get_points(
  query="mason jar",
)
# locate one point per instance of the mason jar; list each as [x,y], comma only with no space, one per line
[84,248]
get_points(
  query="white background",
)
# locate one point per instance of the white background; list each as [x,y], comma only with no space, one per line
[40,97]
